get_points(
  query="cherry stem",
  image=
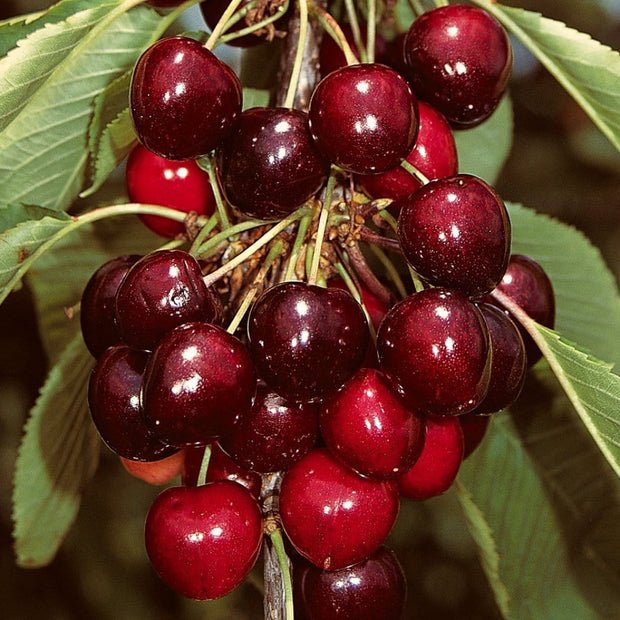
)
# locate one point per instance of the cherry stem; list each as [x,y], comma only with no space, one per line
[221,24]
[332,28]
[207,164]
[209,247]
[355,30]
[370,236]
[391,271]
[299,55]
[390,219]
[302,229]
[210,278]
[278,544]
[371,30]
[354,290]
[420,176]
[226,38]
[203,233]
[366,275]
[416,7]
[204,467]
[320,233]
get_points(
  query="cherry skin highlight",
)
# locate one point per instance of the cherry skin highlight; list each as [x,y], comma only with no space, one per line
[184,101]
[364,118]
[203,541]
[332,516]
[179,184]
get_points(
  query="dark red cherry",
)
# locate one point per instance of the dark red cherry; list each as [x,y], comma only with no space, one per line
[221,467]
[306,341]
[374,589]
[436,468]
[367,426]
[184,101]
[375,307]
[179,184]
[114,401]
[528,285]
[269,165]
[274,434]
[332,516]
[203,541]
[198,382]
[434,154]
[509,361]
[474,429]
[455,232]
[364,118]
[435,346]
[162,290]
[97,309]
[460,60]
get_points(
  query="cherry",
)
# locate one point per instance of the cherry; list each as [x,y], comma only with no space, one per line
[332,516]
[374,589]
[97,311]
[528,285]
[375,307]
[114,401]
[364,118]
[184,101]
[221,467]
[460,60]
[274,434]
[162,290]
[366,426]
[203,541]
[181,185]
[269,165]
[435,346]
[155,472]
[455,232]
[434,154]
[474,429]
[509,361]
[306,341]
[436,468]
[198,382]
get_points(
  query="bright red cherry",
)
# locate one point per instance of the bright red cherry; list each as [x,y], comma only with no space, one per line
[364,118]
[198,382]
[367,426]
[203,541]
[434,154]
[460,60]
[270,165]
[179,184]
[455,232]
[332,516]
[436,468]
[374,589]
[435,346]
[184,101]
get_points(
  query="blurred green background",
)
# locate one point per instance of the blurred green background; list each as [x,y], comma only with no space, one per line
[560,165]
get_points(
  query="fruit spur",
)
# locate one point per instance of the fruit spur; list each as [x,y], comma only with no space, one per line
[322,323]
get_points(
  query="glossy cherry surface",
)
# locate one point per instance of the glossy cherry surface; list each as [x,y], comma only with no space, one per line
[162,290]
[474,429]
[455,232]
[198,382]
[459,60]
[367,426]
[179,184]
[270,165]
[509,361]
[184,101]
[434,154]
[374,589]
[97,308]
[375,307]
[364,118]
[332,516]
[273,434]
[306,340]
[529,286]
[435,346]
[436,468]
[203,541]
[114,401]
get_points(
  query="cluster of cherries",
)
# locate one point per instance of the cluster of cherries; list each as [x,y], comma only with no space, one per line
[352,423]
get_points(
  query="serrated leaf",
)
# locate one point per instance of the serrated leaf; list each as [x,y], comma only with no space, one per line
[57,457]
[483,150]
[43,154]
[587,301]
[587,69]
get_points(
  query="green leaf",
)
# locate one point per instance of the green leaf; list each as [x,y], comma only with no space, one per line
[587,69]
[587,301]
[255,97]
[483,150]
[56,73]
[57,457]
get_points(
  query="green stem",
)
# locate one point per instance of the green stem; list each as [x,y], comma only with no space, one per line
[389,218]
[203,233]
[302,229]
[389,269]
[207,164]
[226,38]
[330,25]
[371,27]
[355,30]
[204,467]
[417,7]
[278,545]
[320,233]
[206,249]
[299,54]
[419,176]
[221,24]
